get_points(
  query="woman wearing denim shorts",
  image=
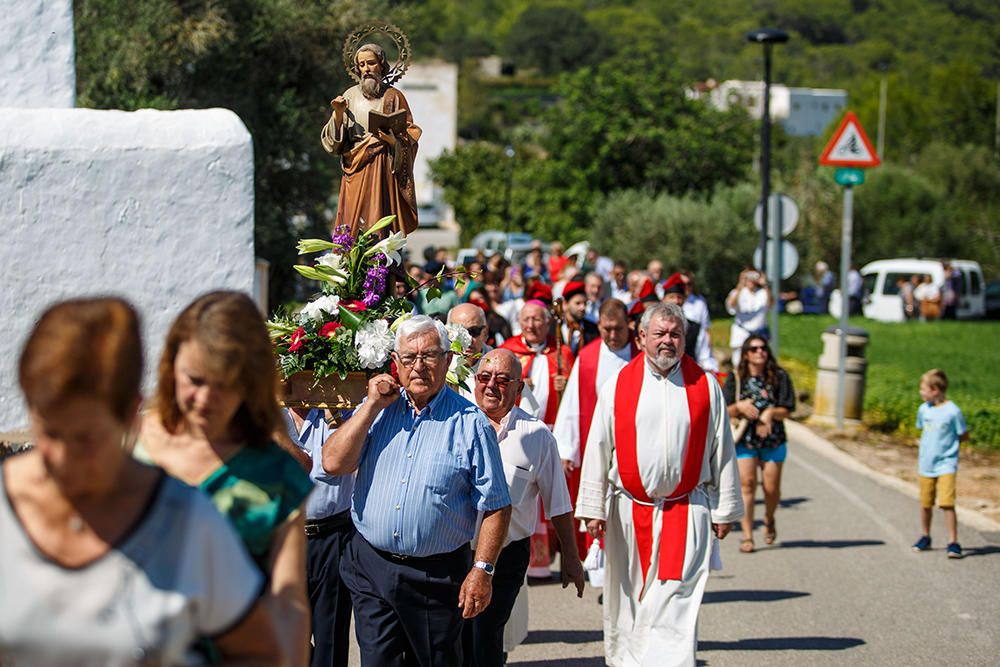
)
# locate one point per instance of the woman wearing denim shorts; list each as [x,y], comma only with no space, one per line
[766,398]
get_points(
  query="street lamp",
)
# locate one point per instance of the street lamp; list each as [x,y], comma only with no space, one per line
[767,37]
[509,152]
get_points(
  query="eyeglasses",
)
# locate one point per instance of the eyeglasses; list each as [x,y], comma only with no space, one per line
[501,380]
[757,348]
[475,331]
[429,358]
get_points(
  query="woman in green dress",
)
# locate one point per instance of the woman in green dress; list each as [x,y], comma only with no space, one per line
[213,426]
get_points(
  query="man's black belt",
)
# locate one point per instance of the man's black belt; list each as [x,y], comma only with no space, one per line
[327,525]
[418,560]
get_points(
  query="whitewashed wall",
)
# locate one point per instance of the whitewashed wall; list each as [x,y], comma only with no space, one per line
[36,54]
[155,206]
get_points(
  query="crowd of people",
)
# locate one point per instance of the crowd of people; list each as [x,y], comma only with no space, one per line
[207,525]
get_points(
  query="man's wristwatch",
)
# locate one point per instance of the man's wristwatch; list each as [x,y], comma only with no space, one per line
[484,566]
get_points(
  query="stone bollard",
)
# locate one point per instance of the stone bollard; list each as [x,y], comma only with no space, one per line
[854,381]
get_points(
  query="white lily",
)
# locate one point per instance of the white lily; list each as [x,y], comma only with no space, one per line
[390,247]
[331,260]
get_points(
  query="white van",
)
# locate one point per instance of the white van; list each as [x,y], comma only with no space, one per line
[882,301]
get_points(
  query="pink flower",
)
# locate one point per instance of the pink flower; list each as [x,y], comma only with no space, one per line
[329,329]
[297,340]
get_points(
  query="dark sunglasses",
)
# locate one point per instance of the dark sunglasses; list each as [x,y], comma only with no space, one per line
[475,331]
[757,348]
[500,380]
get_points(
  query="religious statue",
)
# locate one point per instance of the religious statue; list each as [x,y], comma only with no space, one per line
[371,129]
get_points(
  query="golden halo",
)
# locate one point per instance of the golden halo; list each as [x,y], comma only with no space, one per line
[357,37]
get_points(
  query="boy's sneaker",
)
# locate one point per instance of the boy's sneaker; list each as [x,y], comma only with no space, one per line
[923,544]
[954,550]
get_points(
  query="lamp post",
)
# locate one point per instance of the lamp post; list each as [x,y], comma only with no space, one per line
[768,37]
[508,186]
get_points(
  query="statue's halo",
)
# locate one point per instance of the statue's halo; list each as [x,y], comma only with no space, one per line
[359,36]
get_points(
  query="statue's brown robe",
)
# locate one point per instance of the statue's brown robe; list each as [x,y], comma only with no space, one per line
[378,179]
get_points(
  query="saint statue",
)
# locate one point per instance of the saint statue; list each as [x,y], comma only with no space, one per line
[378,166]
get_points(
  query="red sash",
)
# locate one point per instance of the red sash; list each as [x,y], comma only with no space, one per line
[673,533]
[526,356]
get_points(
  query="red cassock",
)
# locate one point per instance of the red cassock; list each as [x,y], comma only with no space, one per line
[526,355]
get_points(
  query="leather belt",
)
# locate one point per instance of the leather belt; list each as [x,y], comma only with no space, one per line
[462,551]
[327,525]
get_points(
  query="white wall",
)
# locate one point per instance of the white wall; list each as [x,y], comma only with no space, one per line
[155,206]
[36,54]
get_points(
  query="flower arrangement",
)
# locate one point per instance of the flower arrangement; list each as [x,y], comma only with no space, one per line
[349,326]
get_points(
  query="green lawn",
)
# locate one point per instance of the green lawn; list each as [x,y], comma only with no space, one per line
[969,352]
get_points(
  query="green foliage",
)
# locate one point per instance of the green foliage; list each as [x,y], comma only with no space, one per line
[711,237]
[898,355]
[628,124]
[276,63]
[553,39]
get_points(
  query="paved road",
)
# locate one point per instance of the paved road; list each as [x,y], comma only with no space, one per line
[841,587]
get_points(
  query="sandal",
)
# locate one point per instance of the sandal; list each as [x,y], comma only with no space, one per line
[746,546]
[770,532]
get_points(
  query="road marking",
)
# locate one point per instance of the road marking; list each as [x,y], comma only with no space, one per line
[857,500]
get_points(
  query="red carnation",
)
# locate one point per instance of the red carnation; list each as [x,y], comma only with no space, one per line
[297,340]
[329,329]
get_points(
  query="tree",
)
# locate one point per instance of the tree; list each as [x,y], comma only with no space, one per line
[712,237]
[628,124]
[553,39]
[276,63]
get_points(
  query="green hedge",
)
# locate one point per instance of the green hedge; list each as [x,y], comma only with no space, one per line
[898,354]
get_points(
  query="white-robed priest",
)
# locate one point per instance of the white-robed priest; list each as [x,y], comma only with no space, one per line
[660,441]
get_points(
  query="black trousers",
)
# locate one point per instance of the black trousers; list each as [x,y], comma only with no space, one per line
[329,599]
[482,636]
[406,610]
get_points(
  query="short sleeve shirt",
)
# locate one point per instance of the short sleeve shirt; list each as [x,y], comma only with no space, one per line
[423,477]
[179,574]
[533,470]
[942,426]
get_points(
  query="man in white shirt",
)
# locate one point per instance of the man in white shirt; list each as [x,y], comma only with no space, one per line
[696,338]
[531,464]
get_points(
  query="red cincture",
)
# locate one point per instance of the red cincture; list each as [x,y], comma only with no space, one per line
[673,533]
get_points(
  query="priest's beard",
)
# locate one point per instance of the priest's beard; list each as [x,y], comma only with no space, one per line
[666,358]
[371,88]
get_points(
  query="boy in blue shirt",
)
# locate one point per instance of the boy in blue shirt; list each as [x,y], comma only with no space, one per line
[943,428]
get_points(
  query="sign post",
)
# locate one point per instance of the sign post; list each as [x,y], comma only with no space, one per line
[782,216]
[849,147]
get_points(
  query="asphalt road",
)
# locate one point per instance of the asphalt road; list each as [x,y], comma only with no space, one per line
[841,586]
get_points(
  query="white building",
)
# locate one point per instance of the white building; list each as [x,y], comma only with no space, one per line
[802,112]
[431,89]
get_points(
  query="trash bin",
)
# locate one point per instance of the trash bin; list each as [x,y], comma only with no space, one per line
[854,381]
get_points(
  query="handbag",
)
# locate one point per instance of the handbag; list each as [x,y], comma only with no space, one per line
[738,425]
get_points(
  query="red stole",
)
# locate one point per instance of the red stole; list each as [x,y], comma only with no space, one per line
[526,356]
[673,532]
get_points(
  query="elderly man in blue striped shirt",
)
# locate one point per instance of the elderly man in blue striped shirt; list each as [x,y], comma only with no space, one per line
[427,462]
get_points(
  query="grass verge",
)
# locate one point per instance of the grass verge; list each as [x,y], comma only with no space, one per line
[898,354]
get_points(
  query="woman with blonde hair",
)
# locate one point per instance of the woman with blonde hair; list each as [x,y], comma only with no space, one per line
[213,425]
[105,560]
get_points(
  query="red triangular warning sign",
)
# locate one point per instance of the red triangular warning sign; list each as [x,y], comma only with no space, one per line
[849,146]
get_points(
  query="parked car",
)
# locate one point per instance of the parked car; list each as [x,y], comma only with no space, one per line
[882,301]
[513,245]
[993,299]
